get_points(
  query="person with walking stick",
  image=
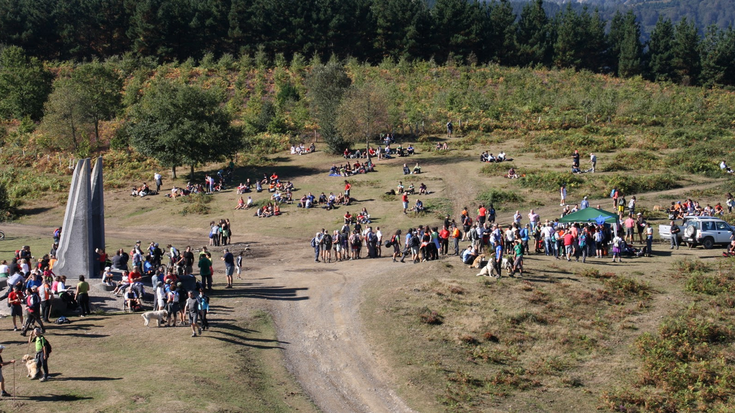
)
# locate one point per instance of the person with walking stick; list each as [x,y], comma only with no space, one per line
[43,351]
[2,379]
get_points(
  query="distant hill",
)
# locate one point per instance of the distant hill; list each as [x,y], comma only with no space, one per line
[703,12]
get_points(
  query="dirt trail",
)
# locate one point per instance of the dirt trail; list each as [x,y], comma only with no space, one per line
[320,321]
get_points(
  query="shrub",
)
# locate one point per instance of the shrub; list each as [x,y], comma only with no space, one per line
[549,180]
[196,204]
[430,317]
[633,161]
[704,284]
[687,266]
[633,184]
[500,198]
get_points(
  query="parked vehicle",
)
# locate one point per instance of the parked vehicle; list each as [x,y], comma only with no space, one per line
[705,231]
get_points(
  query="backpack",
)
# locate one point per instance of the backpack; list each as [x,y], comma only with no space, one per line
[32,301]
[328,239]
[46,345]
[612,193]
[313,242]
[415,241]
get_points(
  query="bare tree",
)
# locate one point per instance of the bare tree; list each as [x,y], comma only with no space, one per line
[363,113]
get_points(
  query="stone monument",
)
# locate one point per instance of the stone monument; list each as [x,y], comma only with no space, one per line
[83,228]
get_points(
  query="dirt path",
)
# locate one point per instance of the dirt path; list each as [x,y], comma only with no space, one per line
[318,316]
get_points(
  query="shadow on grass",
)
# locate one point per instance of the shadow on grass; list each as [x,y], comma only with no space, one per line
[238,336]
[265,293]
[33,211]
[59,377]
[82,335]
[54,398]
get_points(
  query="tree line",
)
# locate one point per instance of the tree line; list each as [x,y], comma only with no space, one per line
[461,31]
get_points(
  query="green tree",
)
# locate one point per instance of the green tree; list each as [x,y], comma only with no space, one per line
[400,27]
[501,32]
[326,85]
[457,28]
[661,51]
[686,53]
[363,113]
[631,49]
[179,124]
[718,55]
[67,122]
[6,206]
[101,89]
[533,40]
[570,37]
[24,84]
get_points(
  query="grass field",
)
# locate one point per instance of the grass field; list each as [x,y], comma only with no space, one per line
[565,337]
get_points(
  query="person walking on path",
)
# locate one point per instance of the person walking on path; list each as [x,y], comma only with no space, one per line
[315,244]
[563,194]
[192,310]
[229,260]
[159,181]
[3,393]
[42,352]
[82,296]
[205,270]
[203,302]
[33,306]
[674,235]
[593,161]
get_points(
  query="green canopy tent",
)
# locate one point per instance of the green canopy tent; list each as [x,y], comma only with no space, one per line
[595,215]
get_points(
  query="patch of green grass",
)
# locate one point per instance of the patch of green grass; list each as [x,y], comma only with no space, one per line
[500,199]
[549,180]
[633,161]
[196,204]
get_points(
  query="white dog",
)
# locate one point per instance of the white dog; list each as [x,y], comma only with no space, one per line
[157,315]
[506,264]
[31,365]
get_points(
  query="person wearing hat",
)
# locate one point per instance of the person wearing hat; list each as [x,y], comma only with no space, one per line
[42,353]
[584,204]
[107,276]
[640,224]
[33,306]
[2,380]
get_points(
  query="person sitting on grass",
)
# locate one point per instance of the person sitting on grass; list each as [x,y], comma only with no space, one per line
[348,218]
[416,169]
[512,174]
[575,169]
[419,206]
[410,150]
[406,171]
[491,158]
[400,187]
[241,189]
[501,156]
[363,217]
[240,204]
[422,189]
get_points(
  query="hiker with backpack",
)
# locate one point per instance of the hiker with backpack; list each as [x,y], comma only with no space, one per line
[43,351]
[33,306]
